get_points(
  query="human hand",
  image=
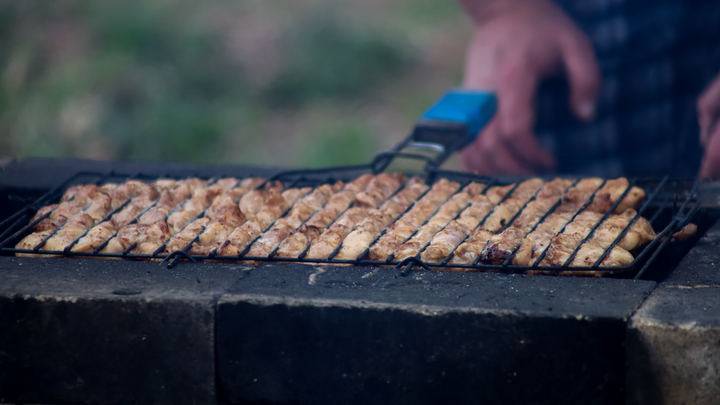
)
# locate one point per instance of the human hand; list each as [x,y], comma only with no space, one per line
[516,44]
[708,107]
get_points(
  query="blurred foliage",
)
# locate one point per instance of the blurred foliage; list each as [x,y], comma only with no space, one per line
[312,82]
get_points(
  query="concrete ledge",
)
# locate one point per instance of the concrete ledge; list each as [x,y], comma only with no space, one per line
[108,332]
[372,336]
[674,338]
[112,350]
[675,361]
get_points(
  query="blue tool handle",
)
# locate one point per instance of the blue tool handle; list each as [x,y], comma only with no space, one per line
[456,119]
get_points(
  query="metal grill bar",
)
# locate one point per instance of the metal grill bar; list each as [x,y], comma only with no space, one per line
[449,257]
[107,217]
[582,209]
[542,218]
[328,180]
[392,255]
[384,231]
[502,200]
[597,225]
[678,219]
[337,249]
[512,220]
[249,246]
[37,204]
[47,214]
[629,225]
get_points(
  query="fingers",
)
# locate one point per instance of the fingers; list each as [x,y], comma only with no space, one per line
[527,147]
[583,75]
[711,161]
[516,115]
[708,107]
[489,155]
[516,92]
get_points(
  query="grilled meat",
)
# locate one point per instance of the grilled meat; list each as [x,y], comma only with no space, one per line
[383,215]
[444,215]
[469,250]
[74,228]
[370,228]
[297,242]
[299,213]
[95,237]
[336,233]
[183,238]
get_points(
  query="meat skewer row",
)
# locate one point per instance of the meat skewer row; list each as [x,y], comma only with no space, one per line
[168,191]
[229,221]
[172,192]
[611,191]
[83,205]
[448,242]
[563,245]
[76,226]
[469,250]
[224,211]
[297,242]
[231,197]
[300,212]
[217,230]
[183,238]
[545,199]
[92,199]
[194,207]
[449,238]
[501,246]
[126,224]
[537,243]
[242,236]
[225,215]
[446,213]
[581,226]
[412,220]
[253,201]
[332,238]
[132,189]
[57,219]
[639,234]
[534,243]
[371,227]
[507,209]
[146,238]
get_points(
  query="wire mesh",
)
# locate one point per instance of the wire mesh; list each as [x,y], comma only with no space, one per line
[680,203]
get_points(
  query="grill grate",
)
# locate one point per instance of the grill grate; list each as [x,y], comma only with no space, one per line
[669,205]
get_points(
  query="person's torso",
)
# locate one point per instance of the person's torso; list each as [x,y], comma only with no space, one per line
[655,58]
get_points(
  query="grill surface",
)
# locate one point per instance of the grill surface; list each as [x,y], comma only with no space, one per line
[668,206]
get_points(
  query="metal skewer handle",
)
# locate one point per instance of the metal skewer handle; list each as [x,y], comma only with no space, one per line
[452,123]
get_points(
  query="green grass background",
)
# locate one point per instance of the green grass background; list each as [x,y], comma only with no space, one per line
[293,83]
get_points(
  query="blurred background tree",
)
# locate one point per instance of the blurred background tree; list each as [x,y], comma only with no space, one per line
[301,83]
